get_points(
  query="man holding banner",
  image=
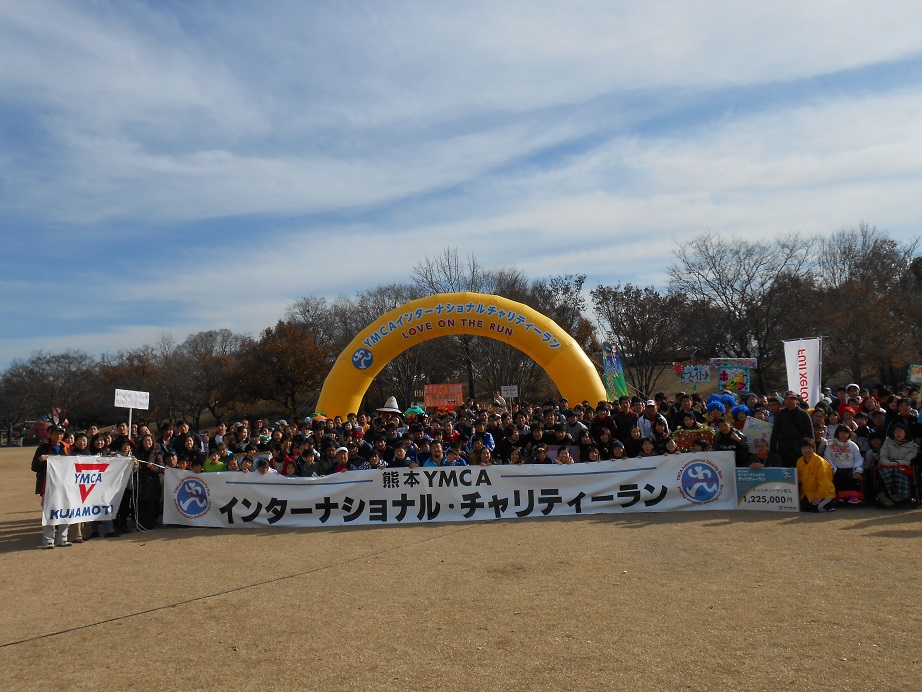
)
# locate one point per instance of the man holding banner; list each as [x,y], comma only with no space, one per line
[53,446]
[76,489]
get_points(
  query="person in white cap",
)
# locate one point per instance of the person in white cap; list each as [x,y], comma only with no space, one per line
[647,421]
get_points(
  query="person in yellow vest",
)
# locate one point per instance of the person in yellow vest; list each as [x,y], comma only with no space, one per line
[814,475]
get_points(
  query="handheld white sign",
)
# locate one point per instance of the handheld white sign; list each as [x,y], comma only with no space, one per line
[126,398]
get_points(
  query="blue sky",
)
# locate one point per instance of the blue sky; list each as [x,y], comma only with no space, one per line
[179,166]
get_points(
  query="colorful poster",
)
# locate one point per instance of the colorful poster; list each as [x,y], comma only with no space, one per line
[767,490]
[693,374]
[803,362]
[613,373]
[79,489]
[412,496]
[685,439]
[733,379]
[443,395]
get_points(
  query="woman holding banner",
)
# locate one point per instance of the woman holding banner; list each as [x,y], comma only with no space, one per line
[150,472]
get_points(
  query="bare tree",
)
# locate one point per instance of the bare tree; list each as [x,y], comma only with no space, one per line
[334,323]
[867,285]
[448,273]
[285,365]
[15,397]
[644,325]
[62,382]
[206,361]
[754,288]
[169,376]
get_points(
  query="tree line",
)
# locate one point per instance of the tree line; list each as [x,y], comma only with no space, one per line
[726,297]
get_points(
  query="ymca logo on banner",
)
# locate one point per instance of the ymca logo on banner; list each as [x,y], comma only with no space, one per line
[84,488]
[87,476]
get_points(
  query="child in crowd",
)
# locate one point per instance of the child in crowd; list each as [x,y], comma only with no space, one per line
[729,439]
[453,458]
[647,448]
[539,455]
[739,414]
[263,468]
[700,445]
[214,464]
[633,443]
[847,464]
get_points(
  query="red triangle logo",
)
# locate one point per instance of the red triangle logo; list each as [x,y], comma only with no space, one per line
[87,488]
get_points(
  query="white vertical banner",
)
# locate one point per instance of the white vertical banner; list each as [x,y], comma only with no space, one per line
[802,357]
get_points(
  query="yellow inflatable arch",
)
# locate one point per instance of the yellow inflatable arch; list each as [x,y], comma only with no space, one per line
[458,313]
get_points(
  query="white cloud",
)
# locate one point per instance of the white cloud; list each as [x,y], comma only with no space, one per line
[145,119]
[307,108]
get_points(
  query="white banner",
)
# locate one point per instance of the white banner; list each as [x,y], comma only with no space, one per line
[459,493]
[80,488]
[127,398]
[802,358]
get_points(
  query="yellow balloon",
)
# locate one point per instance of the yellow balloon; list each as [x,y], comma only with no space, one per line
[479,314]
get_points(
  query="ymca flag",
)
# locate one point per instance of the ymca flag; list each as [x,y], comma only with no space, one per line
[674,482]
[84,488]
[802,357]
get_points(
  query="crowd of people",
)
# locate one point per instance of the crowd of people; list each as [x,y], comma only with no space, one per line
[853,445]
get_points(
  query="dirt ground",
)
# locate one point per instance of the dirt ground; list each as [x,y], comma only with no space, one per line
[694,600]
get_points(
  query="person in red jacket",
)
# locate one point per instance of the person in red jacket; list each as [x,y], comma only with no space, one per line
[52,446]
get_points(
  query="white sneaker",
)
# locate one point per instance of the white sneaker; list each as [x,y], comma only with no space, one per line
[65,544]
[48,546]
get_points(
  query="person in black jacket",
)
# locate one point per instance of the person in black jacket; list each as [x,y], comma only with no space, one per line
[729,439]
[52,446]
[150,474]
[791,425]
